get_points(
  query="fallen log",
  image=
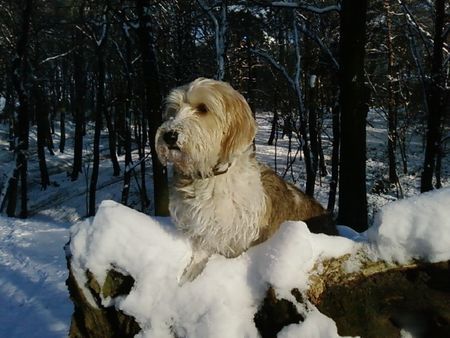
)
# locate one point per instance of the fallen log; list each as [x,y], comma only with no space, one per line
[393,281]
[379,300]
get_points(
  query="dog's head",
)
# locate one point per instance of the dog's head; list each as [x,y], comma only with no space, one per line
[207,124]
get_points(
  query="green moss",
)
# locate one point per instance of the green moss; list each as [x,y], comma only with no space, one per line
[382,304]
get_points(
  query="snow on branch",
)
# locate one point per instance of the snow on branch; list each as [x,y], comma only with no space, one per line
[306,7]
[425,36]
[51,58]
[220,28]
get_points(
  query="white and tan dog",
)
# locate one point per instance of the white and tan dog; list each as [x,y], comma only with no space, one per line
[221,197]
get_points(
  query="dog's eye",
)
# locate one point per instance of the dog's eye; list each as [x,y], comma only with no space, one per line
[202,109]
[169,113]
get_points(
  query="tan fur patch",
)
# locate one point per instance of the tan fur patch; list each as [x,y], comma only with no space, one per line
[285,202]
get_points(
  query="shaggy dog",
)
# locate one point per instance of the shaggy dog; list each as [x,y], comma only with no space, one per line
[221,197]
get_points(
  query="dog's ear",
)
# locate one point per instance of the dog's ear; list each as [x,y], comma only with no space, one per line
[241,127]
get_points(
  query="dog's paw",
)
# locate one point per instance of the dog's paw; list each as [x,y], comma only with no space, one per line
[194,268]
[189,274]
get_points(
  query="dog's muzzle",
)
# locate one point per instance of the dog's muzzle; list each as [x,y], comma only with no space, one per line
[171,138]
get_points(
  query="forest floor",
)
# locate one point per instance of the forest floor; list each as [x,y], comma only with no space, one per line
[34,298]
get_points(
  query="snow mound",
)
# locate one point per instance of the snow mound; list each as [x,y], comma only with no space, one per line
[413,228]
[222,300]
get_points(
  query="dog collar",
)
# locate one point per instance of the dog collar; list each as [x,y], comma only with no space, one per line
[221,169]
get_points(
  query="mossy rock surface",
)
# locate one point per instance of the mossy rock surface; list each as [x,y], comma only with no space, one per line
[381,305]
[100,322]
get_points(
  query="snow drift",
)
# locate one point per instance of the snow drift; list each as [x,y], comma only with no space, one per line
[223,300]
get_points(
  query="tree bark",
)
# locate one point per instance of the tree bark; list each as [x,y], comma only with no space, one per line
[62,129]
[153,104]
[127,110]
[334,159]
[100,110]
[112,143]
[42,108]
[354,107]
[391,103]
[21,85]
[79,79]
[435,98]
[313,126]
[220,23]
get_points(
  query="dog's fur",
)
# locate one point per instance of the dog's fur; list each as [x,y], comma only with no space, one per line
[221,197]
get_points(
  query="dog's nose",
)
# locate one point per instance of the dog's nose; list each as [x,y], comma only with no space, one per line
[170,138]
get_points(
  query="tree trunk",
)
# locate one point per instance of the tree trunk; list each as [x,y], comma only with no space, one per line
[9,111]
[42,109]
[62,128]
[354,107]
[391,104]
[334,159]
[153,104]
[112,143]
[127,111]
[303,128]
[79,79]
[140,139]
[313,125]
[435,98]
[274,128]
[221,30]
[20,79]
[98,125]
[11,194]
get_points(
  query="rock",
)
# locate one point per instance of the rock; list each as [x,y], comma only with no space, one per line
[101,322]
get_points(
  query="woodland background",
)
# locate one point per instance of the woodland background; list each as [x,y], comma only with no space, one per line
[317,67]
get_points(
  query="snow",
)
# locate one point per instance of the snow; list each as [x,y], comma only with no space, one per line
[33,267]
[227,293]
[33,295]
[414,228]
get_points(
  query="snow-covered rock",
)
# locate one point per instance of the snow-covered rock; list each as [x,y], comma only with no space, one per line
[413,228]
[223,300]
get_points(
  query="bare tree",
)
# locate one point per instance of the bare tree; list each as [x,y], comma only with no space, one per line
[354,107]
[42,107]
[153,99]
[79,96]
[435,99]
[220,29]
[21,84]
[392,78]
[100,40]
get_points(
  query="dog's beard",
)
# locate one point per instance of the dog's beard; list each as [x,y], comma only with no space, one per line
[180,159]
[191,156]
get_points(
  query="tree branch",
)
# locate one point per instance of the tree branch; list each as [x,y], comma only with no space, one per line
[306,7]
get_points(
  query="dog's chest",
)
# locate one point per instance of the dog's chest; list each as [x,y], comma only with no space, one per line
[222,212]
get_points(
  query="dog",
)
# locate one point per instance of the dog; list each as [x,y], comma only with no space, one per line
[221,197]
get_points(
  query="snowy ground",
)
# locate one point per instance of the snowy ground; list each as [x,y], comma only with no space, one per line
[32,262]
[33,295]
